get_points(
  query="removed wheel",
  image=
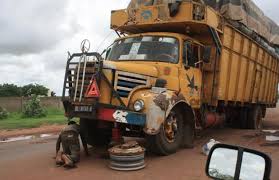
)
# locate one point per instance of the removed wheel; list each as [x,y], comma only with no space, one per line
[170,137]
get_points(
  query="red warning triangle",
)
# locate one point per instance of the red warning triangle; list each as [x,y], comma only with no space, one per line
[93,89]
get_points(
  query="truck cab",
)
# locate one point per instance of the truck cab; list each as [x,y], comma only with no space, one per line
[158,82]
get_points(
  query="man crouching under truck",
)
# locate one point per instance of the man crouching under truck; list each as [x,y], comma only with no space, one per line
[69,137]
[162,115]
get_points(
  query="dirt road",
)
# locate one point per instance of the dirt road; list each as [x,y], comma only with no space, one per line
[34,159]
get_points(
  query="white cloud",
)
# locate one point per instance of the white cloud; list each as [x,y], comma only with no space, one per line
[33,27]
[269,7]
[36,35]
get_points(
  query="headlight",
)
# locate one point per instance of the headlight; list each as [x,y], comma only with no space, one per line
[138,105]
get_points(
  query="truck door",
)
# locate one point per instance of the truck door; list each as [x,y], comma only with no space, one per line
[191,75]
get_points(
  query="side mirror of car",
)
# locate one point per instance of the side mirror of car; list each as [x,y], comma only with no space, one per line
[206,54]
[226,162]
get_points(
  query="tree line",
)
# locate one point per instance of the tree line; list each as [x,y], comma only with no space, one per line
[12,90]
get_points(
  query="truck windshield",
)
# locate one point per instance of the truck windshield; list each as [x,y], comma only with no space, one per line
[145,48]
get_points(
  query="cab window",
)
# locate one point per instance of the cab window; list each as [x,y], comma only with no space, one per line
[191,53]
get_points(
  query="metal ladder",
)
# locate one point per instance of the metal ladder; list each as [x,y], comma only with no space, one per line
[83,59]
[216,39]
[218,44]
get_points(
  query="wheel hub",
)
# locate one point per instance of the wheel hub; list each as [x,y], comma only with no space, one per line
[127,157]
[170,128]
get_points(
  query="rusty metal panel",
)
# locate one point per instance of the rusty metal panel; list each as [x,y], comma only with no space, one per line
[237,42]
[239,78]
[227,37]
[248,73]
[268,85]
[143,17]
[183,15]
[104,88]
[276,90]
[262,85]
[246,47]
[229,75]
[257,84]
[241,83]
[253,51]
[223,74]
[233,81]
[256,77]
[272,86]
[213,21]
[249,83]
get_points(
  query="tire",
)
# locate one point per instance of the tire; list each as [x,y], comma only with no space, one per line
[255,117]
[233,116]
[127,158]
[243,117]
[160,143]
[95,136]
[188,136]
[238,117]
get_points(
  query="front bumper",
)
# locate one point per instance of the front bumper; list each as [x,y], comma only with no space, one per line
[121,116]
[103,113]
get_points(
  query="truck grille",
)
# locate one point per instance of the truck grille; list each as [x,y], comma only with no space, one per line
[126,82]
[89,71]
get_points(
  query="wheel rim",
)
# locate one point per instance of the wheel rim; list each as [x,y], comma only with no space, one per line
[170,127]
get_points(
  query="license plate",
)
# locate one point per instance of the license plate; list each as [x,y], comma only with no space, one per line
[83,108]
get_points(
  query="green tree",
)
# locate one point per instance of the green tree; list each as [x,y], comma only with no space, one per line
[3,113]
[33,108]
[9,90]
[34,89]
[12,90]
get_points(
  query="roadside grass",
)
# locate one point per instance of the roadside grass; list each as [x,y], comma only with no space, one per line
[16,121]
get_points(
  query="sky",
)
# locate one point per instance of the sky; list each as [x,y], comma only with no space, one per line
[35,36]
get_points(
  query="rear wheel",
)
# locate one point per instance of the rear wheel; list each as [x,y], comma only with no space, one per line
[255,118]
[94,135]
[243,118]
[237,117]
[233,117]
[170,136]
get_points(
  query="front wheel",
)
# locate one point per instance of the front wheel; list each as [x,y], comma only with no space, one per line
[170,137]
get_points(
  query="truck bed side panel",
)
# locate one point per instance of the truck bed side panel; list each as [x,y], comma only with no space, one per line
[248,73]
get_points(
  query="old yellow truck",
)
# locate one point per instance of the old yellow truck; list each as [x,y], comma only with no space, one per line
[176,67]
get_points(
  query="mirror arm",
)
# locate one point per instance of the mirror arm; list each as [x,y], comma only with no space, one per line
[238,163]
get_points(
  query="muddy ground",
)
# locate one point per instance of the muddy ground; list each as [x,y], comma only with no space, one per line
[33,159]
[4,134]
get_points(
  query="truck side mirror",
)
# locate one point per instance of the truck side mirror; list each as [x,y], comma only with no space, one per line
[234,162]
[206,54]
